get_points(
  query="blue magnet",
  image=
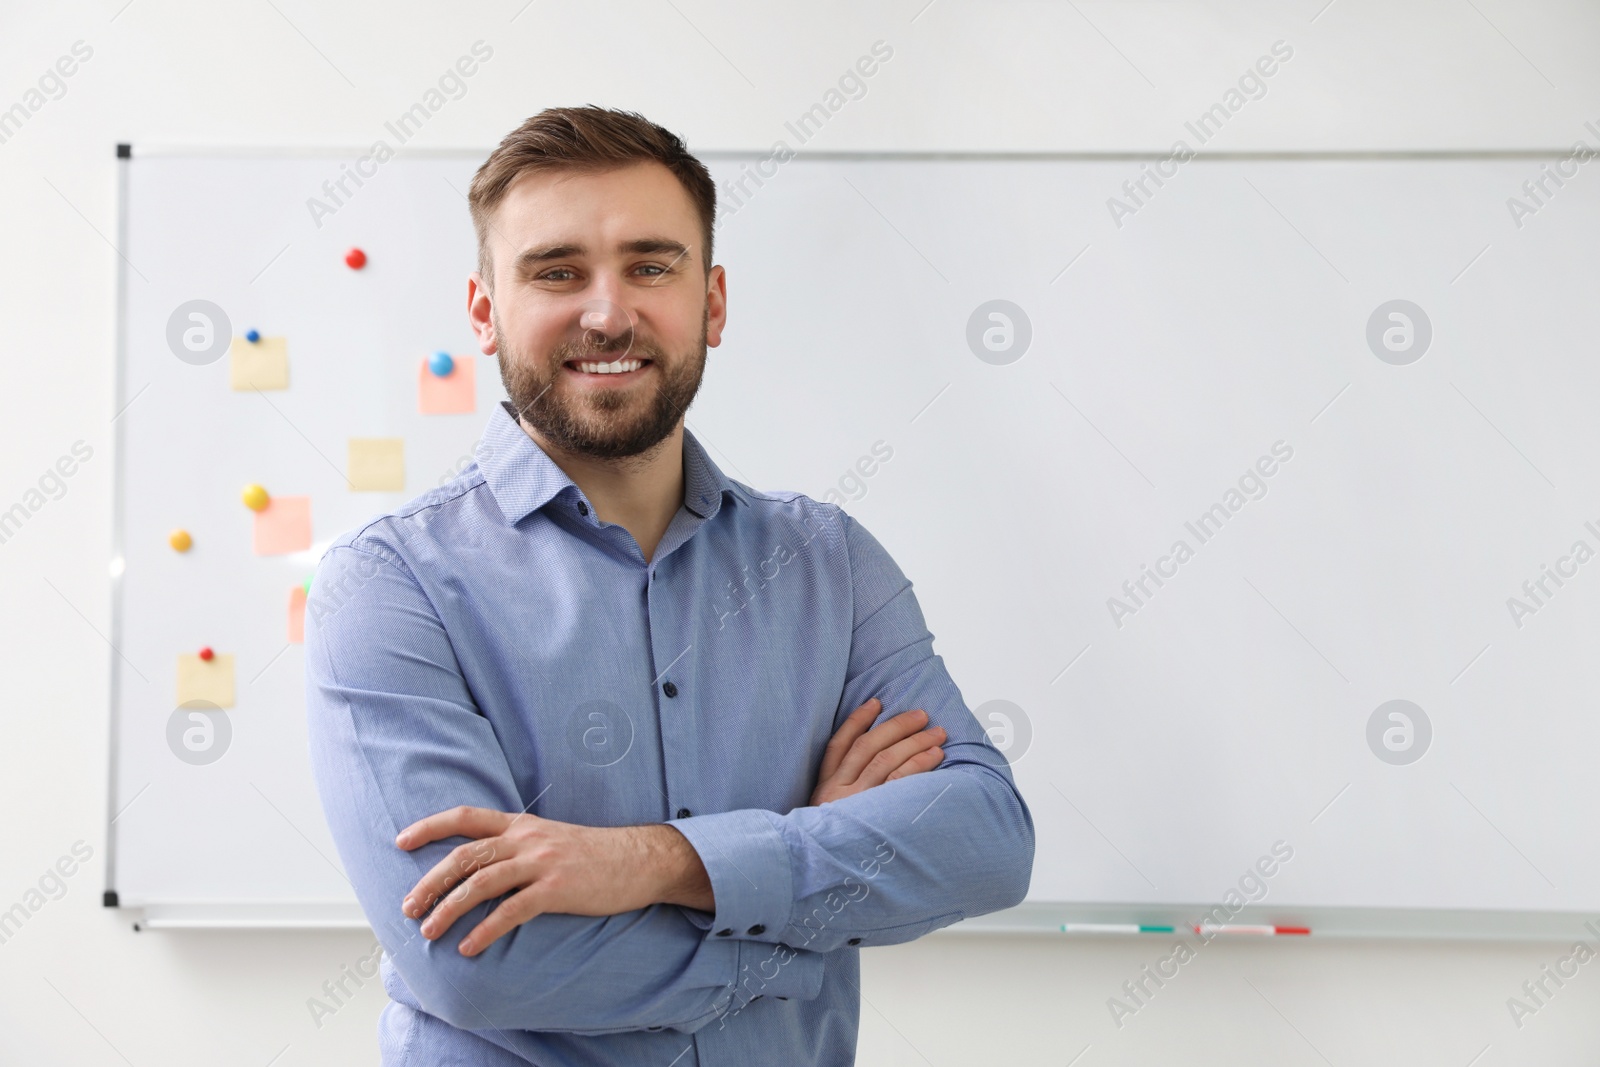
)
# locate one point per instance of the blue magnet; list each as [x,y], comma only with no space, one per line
[441,364]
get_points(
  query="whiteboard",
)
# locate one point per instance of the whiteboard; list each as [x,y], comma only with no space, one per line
[1150,363]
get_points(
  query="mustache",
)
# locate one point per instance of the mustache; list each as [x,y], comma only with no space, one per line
[623,343]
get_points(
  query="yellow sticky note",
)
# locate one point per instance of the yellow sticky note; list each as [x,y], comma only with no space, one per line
[377,464]
[263,364]
[283,526]
[297,615]
[454,394]
[211,682]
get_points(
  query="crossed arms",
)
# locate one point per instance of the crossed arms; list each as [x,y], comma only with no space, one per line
[568,868]
[621,928]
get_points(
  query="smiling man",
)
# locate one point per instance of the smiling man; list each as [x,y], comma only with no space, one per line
[594,816]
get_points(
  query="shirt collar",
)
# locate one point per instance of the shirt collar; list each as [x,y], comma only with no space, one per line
[524,479]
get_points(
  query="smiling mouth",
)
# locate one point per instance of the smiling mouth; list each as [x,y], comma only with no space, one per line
[618,366]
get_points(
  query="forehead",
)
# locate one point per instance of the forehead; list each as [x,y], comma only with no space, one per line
[595,209]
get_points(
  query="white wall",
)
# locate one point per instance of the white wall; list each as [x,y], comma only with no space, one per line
[78,985]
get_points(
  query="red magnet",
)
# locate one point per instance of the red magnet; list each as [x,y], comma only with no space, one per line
[355,259]
[206,654]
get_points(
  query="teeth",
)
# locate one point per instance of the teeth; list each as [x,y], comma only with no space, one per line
[621,366]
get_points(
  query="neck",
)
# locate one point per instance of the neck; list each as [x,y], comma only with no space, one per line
[639,493]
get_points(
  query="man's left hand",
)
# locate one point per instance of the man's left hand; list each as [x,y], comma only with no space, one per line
[548,866]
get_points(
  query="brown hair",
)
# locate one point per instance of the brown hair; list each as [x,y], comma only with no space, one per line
[585,139]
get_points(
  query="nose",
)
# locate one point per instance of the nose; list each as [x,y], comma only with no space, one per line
[602,323]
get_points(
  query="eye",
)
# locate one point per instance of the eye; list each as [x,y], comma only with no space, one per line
[656,267]
[550,275]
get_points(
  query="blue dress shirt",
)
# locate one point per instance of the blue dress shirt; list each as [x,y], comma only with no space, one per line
[492,643]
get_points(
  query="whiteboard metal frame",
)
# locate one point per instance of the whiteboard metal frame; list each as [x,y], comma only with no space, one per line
[1032,920]
[118,493]
[1029,918]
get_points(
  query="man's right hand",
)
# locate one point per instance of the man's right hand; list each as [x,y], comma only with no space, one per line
[858,758]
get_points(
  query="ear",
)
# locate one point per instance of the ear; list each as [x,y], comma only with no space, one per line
[480,314]
[716,306]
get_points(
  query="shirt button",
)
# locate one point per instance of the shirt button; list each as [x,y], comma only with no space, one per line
[724,933]
[583,509]
[758,929]
[853,941]
[683,813]
[670,689]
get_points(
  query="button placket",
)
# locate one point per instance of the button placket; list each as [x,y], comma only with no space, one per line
[676,728]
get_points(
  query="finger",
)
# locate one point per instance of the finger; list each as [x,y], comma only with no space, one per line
[507,916]
[926,760]
[853,727]
[878,769]
[879,738]
[462,861]
[463,821]
[484,884]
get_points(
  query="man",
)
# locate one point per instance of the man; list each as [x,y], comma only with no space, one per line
[593,724]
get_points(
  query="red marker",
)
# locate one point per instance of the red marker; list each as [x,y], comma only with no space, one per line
[1258,931]
[355,259]
[206,654]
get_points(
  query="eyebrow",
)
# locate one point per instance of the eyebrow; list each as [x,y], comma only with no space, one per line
[642,246]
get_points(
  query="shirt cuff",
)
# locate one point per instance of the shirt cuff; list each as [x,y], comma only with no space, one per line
[777,971]
[749,867]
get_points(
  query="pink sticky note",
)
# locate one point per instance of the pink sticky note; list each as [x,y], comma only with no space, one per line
[297,615]
[454,394]
[283,526]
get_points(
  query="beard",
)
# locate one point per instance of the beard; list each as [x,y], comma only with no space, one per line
[606,423]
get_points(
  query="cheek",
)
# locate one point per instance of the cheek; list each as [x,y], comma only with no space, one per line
[533,334]
[675,317]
